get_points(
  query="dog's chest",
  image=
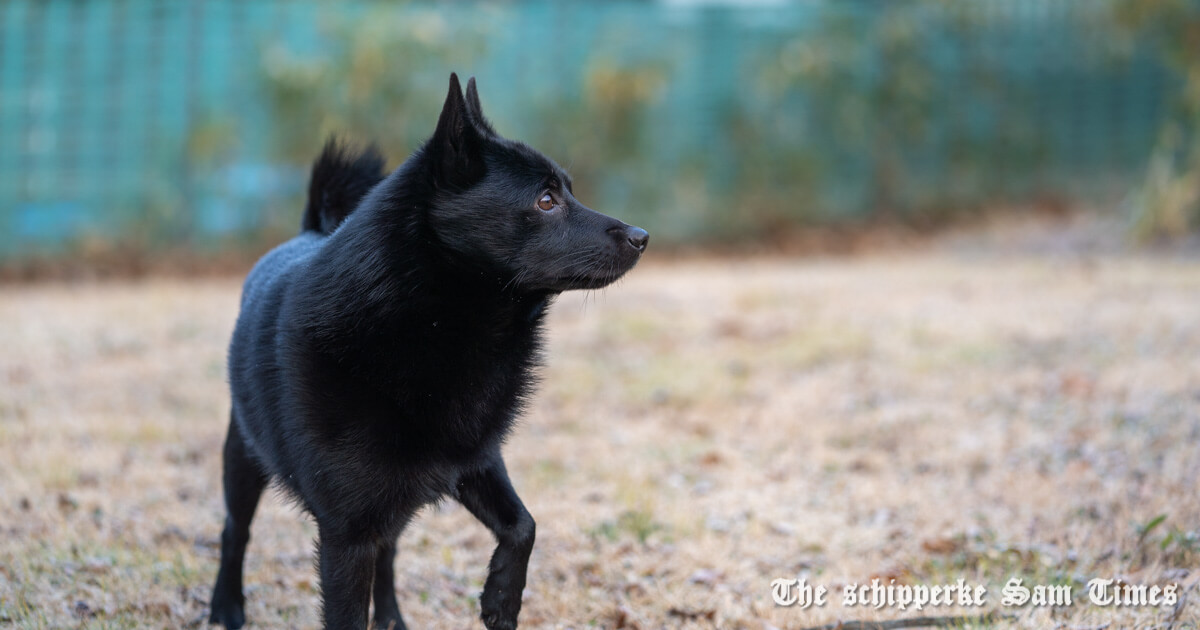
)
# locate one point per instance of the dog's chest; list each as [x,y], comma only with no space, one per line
[486,380]
[455,389]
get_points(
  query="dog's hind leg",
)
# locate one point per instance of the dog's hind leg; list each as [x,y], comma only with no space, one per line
[244,483]
[387,611]
[489,495]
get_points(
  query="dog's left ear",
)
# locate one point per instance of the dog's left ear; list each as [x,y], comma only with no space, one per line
[456,149]
[475,110]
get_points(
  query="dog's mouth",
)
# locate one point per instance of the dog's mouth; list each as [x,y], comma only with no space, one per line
[589,279]
[589,282]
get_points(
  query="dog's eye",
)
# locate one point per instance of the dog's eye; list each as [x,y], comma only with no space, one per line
[546,203]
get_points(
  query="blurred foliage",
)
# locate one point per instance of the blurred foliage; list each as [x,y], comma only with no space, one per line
[1167,203]
[384,79]
[367,84]
[878,113]
[866,83]
[910,112]
[194,124]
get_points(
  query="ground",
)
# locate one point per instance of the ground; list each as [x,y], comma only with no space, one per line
[704,427]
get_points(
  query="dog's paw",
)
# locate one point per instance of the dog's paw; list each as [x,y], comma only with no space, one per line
[227,611]
[497,622]
[500,609]
[389,622]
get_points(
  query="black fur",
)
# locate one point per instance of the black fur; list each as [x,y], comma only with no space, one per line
[381,357]
[340,179]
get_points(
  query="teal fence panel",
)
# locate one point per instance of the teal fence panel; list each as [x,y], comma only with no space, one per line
[147,122]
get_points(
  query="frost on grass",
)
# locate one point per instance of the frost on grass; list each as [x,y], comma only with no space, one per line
[702,429]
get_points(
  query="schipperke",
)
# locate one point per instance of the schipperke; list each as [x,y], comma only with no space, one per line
[381,356]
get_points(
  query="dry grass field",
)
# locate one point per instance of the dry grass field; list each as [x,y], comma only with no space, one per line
[704,428]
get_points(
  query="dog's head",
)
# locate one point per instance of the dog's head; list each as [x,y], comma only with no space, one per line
[506,207]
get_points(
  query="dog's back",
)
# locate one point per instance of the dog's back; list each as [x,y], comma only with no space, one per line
[340,179]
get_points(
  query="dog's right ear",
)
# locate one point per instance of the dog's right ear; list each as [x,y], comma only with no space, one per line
[475,109]
[456,149]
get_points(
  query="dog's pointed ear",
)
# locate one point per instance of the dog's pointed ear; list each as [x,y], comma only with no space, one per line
[475,109]
[456,149]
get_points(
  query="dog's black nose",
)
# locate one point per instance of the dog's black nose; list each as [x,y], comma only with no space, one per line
[637,237]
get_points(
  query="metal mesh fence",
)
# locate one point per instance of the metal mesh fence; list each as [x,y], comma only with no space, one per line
[154,122]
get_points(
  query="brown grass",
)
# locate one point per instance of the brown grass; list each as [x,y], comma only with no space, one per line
[704,428]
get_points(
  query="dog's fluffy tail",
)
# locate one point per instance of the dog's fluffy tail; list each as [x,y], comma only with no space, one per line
[341,177]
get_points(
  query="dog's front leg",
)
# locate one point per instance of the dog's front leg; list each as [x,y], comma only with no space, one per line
[489,495]
[347,568]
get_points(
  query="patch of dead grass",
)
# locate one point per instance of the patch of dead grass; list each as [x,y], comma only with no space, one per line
[703,428]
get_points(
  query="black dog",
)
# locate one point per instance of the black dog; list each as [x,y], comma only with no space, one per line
[381,356]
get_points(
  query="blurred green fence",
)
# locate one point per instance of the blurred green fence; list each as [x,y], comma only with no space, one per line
[154,123]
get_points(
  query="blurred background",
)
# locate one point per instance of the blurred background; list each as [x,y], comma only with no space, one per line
[1004,384]
[134,130]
